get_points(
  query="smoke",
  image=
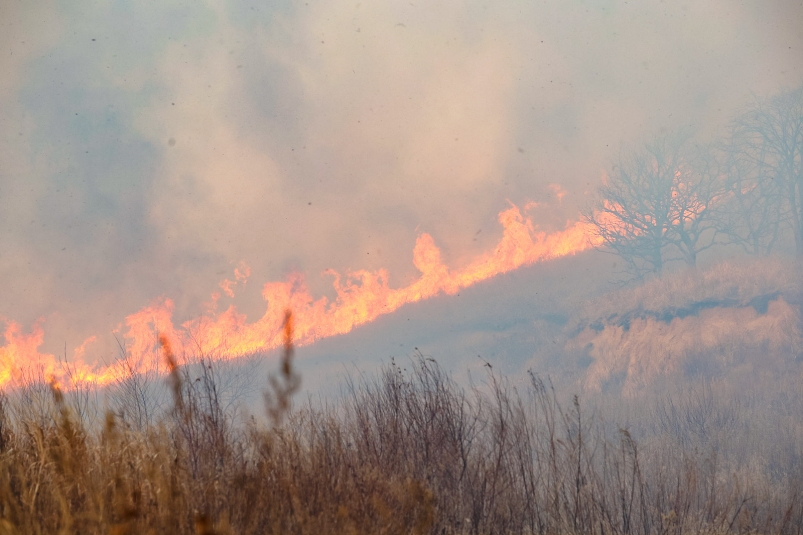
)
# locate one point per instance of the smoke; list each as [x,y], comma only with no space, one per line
[148,149]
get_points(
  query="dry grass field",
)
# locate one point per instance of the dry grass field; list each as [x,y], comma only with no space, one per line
[406,453]
[703,321]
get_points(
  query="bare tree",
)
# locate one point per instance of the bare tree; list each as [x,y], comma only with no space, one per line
[697,190]
[751,212]
[768,145]
[657,205]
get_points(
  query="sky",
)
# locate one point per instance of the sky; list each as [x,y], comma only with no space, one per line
[154,149]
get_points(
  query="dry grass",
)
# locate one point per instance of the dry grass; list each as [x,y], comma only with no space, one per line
[738,282]
[697,321]
[714,340]
[403,453]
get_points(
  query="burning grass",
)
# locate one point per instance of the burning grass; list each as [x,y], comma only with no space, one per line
[412,452]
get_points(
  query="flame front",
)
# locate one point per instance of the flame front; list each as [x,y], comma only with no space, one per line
[362,296]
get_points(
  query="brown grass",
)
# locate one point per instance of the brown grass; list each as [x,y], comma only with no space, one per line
[737,281]
[403,453]
[700,320]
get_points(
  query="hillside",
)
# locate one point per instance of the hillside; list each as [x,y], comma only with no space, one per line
[513,321]
[563,319]
[731,320]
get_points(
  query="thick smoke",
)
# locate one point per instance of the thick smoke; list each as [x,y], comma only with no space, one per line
[148,149]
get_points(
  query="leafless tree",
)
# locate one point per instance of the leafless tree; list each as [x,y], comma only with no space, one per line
[697,190]
[751,212]
[657,205]
[767,145]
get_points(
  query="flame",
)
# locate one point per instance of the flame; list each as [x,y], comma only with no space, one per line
[362,296]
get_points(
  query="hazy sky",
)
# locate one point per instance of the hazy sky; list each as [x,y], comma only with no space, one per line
[148,148]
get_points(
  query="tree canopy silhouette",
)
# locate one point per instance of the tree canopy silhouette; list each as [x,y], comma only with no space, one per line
[656,205]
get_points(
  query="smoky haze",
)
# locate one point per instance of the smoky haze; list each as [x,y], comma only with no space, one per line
[149,150]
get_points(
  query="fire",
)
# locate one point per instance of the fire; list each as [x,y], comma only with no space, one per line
[362,296]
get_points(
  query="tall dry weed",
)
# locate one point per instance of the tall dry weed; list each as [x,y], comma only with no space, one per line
[406,451]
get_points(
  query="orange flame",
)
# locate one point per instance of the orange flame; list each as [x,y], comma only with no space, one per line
[362,296]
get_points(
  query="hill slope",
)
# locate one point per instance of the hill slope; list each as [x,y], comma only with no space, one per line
[563,319]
